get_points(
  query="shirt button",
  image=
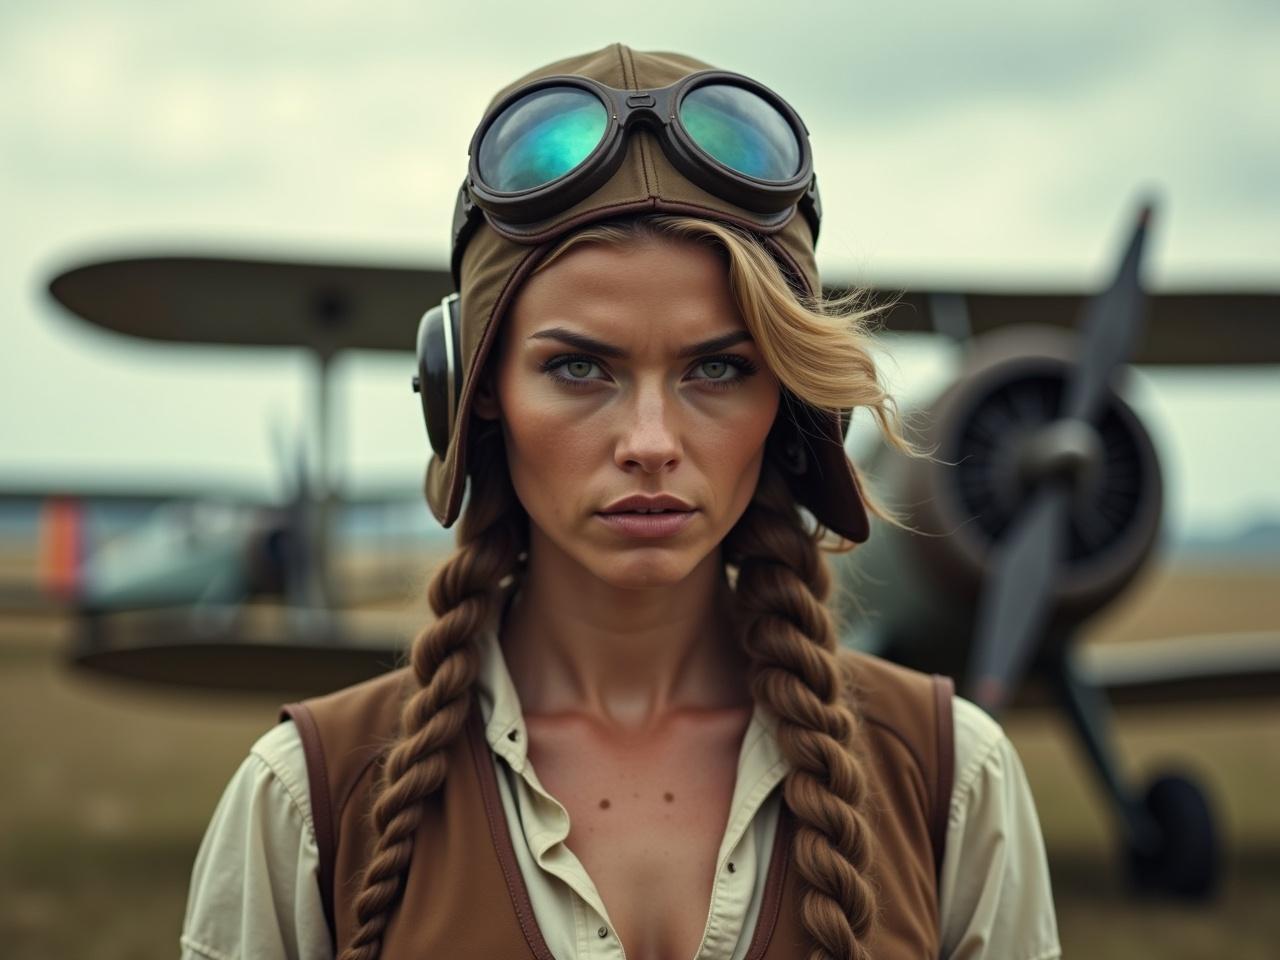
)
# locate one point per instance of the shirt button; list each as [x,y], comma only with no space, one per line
[602,932]
[731,866]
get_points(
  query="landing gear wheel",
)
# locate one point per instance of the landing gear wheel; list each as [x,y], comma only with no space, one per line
[1185,864]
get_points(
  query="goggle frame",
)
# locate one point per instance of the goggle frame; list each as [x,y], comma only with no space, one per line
[657,109]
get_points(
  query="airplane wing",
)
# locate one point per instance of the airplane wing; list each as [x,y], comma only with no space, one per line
[253,648]
[1231,666]
[255,303]
[1194,327]
[161,647]
[1227,668]
[332,306]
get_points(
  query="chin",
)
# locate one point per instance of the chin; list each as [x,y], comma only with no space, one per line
[638,568]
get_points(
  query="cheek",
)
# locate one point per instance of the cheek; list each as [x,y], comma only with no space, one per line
[732,446]
[548,447]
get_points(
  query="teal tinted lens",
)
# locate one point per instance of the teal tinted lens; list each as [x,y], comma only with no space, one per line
[742,130]
[540,137]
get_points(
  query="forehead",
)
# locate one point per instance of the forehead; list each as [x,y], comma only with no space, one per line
[654,291]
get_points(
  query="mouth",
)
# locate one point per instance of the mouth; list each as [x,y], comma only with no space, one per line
[649,503]
[642,513]
[647,524]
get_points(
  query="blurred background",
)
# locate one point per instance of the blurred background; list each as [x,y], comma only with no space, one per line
[962,148]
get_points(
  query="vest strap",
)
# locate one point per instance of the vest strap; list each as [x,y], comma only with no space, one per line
[943,689]
[321,804]
[501,834]
[771,901]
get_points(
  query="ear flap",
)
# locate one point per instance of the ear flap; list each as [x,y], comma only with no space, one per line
[786,443]
[808,444]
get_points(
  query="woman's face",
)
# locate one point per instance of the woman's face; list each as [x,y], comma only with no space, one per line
[623,371]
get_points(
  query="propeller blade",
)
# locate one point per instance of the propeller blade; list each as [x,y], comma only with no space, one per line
[1019,586]
[1109,328]
[1013,606]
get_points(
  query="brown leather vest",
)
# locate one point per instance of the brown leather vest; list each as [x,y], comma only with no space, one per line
[465,896]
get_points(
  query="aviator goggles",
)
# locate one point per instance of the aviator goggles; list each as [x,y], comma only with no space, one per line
[551,143]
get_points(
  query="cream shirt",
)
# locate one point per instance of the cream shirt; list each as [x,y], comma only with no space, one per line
[254,891]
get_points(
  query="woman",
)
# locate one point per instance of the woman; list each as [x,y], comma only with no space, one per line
[642,387]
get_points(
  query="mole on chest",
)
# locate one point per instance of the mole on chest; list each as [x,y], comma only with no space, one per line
[678,778]
[646,820]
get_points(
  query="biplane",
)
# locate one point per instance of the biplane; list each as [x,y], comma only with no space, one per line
[1040,504]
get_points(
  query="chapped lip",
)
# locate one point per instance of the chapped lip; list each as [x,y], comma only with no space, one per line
[640,501]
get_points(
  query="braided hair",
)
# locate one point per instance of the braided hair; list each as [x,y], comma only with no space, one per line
[790,638]
[821,352]
[465,594]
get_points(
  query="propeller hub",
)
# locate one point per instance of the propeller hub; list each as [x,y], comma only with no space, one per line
[1067,449]
[1002,435]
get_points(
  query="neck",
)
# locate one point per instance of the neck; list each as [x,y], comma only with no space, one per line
[627,658]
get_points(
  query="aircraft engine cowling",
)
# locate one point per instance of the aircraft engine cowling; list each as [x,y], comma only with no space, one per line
[990,446]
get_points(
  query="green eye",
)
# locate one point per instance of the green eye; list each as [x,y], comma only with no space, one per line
[579,368]
[715,369]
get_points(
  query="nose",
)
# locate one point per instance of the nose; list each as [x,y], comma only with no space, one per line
[650,434]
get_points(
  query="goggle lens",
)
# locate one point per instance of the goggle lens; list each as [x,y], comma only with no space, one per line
[742,130]
[540,137]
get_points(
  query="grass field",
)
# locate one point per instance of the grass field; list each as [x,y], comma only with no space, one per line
[105,801]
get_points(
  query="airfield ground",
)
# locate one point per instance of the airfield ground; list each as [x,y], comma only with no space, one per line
[108,788]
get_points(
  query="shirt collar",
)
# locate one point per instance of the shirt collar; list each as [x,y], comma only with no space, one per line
[504,720]
[499,702]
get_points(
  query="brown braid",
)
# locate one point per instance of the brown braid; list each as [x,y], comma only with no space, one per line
[782,584]
[464,596]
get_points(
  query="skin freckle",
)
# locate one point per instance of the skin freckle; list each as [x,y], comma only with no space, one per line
[604,804]
[668,796]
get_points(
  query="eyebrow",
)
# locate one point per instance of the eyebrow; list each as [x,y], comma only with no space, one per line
[591,345]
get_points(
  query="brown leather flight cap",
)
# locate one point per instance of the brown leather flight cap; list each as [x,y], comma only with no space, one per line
[499,256]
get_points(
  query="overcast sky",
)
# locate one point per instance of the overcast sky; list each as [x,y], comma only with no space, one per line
[974,143]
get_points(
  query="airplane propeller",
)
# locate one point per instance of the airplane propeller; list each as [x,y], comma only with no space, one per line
[1053,463]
